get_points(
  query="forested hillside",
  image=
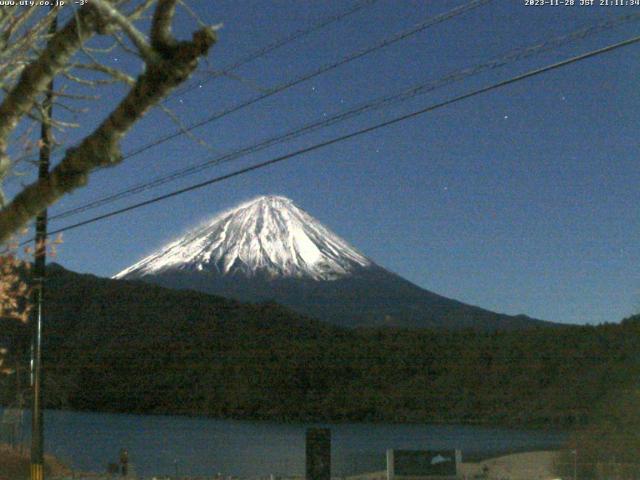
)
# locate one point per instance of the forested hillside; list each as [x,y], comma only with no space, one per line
[129,347]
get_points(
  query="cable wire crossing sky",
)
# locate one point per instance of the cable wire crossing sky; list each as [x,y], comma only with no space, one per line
[484,150]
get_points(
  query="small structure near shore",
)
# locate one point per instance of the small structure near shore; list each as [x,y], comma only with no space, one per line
[418,465]
[423,464]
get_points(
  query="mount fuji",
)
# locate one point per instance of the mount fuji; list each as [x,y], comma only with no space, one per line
[268,237]
[268,249]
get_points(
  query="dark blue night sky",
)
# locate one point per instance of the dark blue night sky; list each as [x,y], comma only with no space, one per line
[521,200]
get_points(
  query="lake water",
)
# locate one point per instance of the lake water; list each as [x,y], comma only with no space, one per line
[164,445]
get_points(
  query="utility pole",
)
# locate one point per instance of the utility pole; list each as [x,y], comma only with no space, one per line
[37,424]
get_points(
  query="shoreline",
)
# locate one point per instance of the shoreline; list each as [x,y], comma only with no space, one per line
[537,426]
[364,443]
[530,465]
[527,465]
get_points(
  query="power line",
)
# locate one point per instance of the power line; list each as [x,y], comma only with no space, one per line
[356,55]
[277,44]
[357,133]
[308,76]
[254,55]
[422,88]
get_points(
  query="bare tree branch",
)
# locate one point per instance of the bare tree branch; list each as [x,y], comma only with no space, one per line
[140,9]
[185,131]
[112,72]
[102,147]
[37,75]
[161,37]
[136,36]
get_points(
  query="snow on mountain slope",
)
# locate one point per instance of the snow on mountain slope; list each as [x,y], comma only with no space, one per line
[267,235]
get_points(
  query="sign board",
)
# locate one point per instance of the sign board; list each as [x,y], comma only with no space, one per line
[422,463]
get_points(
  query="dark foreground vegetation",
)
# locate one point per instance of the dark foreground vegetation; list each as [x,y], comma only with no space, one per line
[15,464]
[609,446]
[130,347]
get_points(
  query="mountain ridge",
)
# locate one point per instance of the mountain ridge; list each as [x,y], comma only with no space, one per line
[270,249]
[267,234]
[127,346]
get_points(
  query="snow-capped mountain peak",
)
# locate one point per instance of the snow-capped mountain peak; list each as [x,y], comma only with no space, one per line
[268,235]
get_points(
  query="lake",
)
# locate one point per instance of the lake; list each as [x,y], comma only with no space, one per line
[166,445]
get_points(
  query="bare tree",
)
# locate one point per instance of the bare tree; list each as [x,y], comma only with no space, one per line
[30,58]
[32,54]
